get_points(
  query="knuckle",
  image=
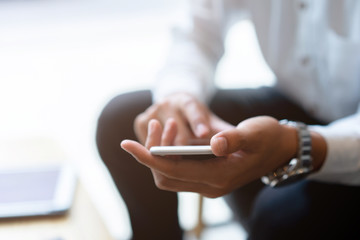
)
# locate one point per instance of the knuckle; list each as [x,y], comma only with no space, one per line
[140,127]
[152,111]
[188,101]
[140,120]
[163,104]
[140,123]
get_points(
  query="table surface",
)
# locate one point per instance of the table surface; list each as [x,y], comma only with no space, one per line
[83,221]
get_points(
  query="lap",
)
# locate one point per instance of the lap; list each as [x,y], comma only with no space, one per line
[235,105]
[306,210]
[305,205]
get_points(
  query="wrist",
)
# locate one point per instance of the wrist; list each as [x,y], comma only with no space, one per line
[318,146]
[300,166]
[290,143]
[319,150]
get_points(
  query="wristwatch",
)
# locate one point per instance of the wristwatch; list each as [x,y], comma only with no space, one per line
[298,167]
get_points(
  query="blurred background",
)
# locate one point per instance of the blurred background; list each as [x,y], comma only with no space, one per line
[61,61]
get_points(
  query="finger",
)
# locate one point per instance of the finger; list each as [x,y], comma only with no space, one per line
[154,134]
[142,121]
[218,125]
[196,115]
[180,169]
[199,141]
[169,133]
[140,127]
[183,132]
[228,141]
[138,151]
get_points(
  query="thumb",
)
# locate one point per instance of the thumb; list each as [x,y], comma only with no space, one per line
[227,142]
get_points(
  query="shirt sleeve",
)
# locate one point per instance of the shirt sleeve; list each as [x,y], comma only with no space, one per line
[197,47]
[342,164]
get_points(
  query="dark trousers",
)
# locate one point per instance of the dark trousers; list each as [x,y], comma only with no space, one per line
[304,210]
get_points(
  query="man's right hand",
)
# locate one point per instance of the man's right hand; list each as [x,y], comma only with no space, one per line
[193,119]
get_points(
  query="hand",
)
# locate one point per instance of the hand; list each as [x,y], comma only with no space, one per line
[247,152]
[193,119]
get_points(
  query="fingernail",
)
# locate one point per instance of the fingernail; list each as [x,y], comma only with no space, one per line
[221,144]
[201,130]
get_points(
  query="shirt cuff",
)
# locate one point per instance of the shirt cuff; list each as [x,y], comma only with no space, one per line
[342,163]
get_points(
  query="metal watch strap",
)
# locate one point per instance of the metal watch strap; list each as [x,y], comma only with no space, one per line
[298,167]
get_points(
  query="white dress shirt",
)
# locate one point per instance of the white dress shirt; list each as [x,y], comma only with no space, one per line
[313,48]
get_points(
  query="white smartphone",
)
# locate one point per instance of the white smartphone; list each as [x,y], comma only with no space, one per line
[181,150]
[36,192]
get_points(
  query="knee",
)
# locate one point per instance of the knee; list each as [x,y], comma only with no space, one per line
[116,119]
[109,117]
[123,107]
